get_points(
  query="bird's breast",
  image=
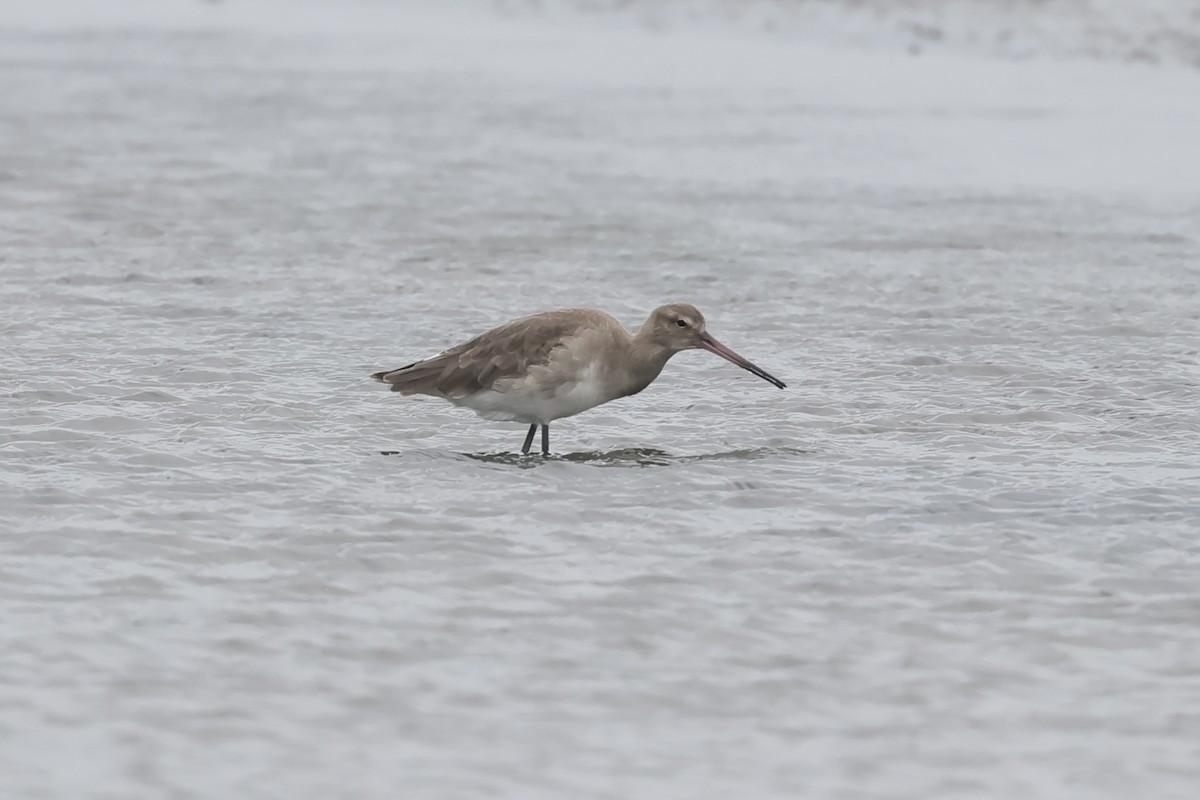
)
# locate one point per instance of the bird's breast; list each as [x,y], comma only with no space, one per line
[587,390]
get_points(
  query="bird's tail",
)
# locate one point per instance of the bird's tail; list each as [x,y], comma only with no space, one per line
[416,378]
[382,377]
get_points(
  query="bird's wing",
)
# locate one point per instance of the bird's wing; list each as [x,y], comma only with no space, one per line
[507,351]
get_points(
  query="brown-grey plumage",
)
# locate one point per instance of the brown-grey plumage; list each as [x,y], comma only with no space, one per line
[558,363]
[506,351]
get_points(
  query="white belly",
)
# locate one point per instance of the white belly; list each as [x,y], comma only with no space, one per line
[524,402]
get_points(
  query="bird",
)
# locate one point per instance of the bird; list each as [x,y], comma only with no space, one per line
[556,364]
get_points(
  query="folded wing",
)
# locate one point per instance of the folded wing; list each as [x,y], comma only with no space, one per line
[507,351]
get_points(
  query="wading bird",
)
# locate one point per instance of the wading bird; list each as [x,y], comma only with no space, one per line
[556,364]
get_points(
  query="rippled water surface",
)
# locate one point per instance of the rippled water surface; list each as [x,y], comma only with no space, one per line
[957,557]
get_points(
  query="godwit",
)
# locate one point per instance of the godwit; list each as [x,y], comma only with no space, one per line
[558,363]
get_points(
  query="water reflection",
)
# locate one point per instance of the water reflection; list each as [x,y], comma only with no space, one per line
[623,457]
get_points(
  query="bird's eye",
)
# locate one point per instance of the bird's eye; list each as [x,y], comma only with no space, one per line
[681,323]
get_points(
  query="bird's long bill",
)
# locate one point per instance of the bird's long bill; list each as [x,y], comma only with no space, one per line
[713,346]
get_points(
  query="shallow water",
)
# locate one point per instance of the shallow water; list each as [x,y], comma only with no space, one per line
[957,557]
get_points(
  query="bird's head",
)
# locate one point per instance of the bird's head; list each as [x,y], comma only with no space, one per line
[680,326]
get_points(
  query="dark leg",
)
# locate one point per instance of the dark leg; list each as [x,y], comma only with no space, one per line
[529,440]
[545,439]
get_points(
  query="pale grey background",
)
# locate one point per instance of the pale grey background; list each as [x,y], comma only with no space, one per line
[956,558]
